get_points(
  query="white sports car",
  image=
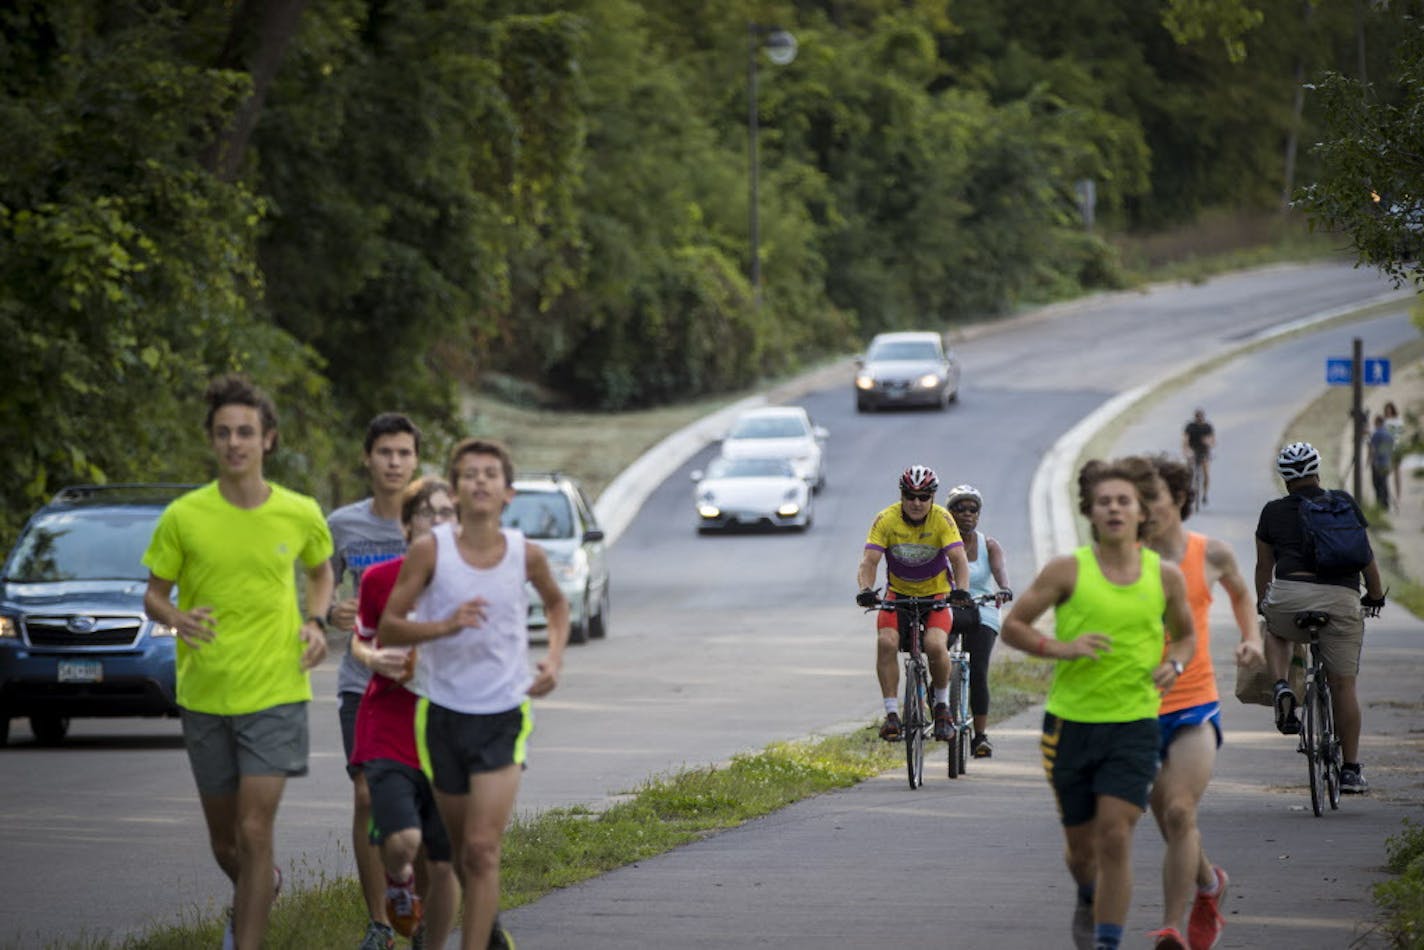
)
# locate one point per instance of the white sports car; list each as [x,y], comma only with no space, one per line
[752,492]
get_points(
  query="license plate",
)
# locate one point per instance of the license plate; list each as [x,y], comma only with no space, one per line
[81,671]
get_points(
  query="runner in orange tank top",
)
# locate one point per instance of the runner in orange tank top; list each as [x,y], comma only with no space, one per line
[1191,712]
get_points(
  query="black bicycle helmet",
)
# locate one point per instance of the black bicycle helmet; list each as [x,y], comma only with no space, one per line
[1298,460]
[919,478]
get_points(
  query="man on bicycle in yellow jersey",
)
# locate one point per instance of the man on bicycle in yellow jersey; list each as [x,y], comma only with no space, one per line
[923,555]
[1198,439]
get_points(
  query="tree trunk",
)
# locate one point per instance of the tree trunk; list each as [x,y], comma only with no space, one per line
[257,41]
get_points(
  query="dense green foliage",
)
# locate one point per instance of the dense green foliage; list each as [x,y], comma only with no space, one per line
[557,191]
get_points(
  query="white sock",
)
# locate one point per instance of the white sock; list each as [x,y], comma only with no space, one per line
[941,695]
[891,706]
[1212,888]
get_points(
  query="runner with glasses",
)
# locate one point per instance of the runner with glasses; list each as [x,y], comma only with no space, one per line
[923,554]
[988,584]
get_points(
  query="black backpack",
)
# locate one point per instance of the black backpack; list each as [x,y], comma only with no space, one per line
[1335,537]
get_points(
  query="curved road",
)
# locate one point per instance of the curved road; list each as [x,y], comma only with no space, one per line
[718,644]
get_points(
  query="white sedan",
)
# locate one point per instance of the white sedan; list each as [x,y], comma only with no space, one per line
[779,432]
[751,492]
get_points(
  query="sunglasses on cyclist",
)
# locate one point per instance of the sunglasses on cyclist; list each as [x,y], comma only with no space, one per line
[966,509]
[917,496]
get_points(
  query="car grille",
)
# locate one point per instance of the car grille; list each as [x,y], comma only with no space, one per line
[83,631]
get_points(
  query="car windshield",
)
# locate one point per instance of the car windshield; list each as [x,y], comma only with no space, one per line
[768,427]
[750,468]
[84,544]
[903,350]
[541,515]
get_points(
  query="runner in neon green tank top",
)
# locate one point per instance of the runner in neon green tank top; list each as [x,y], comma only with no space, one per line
[1100,733]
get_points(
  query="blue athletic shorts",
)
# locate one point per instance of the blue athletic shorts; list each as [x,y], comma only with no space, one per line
[1191,716]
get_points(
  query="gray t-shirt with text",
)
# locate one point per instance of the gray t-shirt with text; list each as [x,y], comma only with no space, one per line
[360,539]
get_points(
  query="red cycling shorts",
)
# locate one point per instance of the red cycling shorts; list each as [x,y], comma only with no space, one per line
[897,619]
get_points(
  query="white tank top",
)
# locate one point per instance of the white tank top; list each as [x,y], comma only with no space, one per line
[483,669]
[981,581]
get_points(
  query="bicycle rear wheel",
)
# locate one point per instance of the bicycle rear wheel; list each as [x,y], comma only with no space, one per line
[914,724]
[1316,753]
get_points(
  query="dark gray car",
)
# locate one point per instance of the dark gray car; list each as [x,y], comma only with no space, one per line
[906,369]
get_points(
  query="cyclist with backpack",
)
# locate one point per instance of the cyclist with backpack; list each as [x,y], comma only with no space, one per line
[1311,550]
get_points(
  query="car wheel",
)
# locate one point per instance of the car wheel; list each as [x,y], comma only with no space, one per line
[862,404]
[4,732]
[578,630]
[954,394]
[49,730]
[598,623]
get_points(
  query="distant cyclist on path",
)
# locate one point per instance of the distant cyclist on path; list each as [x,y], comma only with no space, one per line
[924,555]
[1100,730]
[1198,439]
[1191,712]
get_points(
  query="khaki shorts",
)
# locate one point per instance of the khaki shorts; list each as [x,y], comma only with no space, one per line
[1340,640]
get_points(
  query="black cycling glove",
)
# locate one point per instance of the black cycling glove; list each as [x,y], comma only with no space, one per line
[1370,606]
[961,598]
[867,597]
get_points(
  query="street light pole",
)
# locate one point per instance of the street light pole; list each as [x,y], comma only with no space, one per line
[780,49]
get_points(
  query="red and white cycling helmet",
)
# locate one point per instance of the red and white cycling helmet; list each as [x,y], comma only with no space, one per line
[919,478]
[1298,460]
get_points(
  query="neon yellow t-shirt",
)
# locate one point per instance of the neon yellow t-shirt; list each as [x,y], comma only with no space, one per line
[242,564]
[1117,686]
[916,556]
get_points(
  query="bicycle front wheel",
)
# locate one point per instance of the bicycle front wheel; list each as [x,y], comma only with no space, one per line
[1333,758]
[1316,751]
[914,725]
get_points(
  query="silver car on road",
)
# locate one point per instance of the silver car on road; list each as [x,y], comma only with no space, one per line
[906,369]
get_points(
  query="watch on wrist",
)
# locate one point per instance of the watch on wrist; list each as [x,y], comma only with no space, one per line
[1177,665]
[318,620]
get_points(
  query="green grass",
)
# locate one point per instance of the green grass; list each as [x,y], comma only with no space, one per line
[563,846]
[1402,897]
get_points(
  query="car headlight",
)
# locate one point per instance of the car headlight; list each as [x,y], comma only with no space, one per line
[789,509]
[865,382]
[930,381]
[708,510]
[572,568]
[9,629]
[157,630]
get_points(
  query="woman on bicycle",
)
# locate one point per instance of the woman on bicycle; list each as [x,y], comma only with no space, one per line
[987,575]
[1100,733]
[1191,710]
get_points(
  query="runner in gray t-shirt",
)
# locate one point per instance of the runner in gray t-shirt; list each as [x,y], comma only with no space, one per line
[364,533]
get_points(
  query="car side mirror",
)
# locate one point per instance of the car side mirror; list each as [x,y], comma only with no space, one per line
[821,433]
[593,534]
[697,475]
[860,361]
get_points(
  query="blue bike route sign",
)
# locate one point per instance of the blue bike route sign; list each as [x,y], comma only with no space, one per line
[1338,371]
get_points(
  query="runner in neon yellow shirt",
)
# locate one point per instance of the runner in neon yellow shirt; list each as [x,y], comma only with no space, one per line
[243,650]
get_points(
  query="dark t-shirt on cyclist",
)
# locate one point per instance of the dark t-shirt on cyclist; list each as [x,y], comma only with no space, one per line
[1280,527]
[1197,433]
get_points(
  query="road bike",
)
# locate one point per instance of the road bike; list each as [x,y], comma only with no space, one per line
[1198,480]
[961,719]
[916,721]
[1318,740]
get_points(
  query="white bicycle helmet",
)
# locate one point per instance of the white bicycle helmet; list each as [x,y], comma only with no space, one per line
[919,478]
[1298,460]
[960,493]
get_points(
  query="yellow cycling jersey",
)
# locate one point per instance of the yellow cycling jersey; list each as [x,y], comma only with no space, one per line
[916,556]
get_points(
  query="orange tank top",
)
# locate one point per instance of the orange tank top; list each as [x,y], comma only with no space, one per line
[1197,684]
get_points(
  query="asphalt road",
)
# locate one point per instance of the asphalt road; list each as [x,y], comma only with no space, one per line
[717,644]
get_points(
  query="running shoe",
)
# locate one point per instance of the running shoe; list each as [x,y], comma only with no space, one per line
[1084,930]
[890,731]
[1168,938]
[980,747]
[378,937]
[500,939]
[403,909]
[1205,923]
[1286,722]
[943,726]
[1352,782]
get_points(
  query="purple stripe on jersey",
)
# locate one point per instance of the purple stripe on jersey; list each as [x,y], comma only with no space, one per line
[939,564]
[874,547]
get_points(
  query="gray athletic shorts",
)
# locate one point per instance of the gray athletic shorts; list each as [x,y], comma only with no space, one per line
[222,749]
[1340,640]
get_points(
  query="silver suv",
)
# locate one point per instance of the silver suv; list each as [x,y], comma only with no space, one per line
[552,511]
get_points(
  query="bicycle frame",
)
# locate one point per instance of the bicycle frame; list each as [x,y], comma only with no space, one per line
[916,719]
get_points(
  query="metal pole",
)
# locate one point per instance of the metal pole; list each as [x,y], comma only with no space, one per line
[753,43]
[1357,411]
